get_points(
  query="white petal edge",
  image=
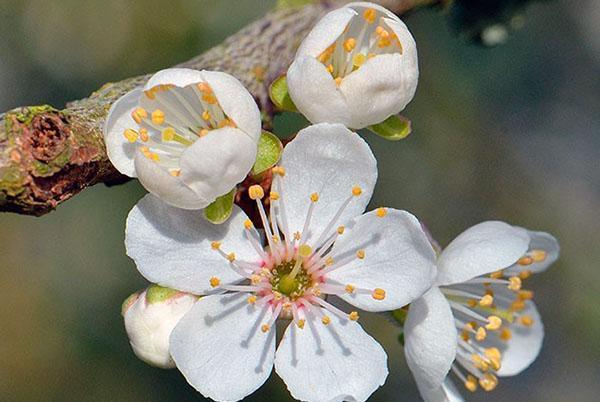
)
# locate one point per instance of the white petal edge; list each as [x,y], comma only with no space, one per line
[445,393]
[398,258]
[325,32]
[220,349]
[120,151]
[327,159]
[180,77]
[172,246]
[337,362]
[481,249]
[430,339]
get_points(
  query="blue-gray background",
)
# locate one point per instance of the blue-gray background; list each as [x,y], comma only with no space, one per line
[509,133]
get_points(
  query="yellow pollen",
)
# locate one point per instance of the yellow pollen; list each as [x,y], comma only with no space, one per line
[275,239]
[341,229]
[144,134]
[314,197]
[297,236]
[326,320]
[492,353]
[517,305]
[494,322]
[227,123]
[145,151]
[214,281]
[256,192]
[479,362]
[496,275]
[379,30]
[360,254]
[338,81]
[353,316]
[330,68]
[370,56]
[350,289]
[369,15]
[175,173]
[231,257]
[304,250]
[138,114]
[255,279]
[384,41]
[486,301]
[514,283]
[488,382]
[525,294]
[464,335]
[274,196]
[527,260]
[204,87]
[158,117]
[381,212]
[206,115]
[356,191]
[265,328]
[526,320]
[349,44]
[472,303]
[471,383]
[203,132]
[505,334]
[248,224]
[209,98]
[378,294]
[279,170]
[538,255]
[252,299]
[215,245]
[131,135]
[481,334]
[525,274]
[168,134]
[150,94]
[329,261]
[154,156]
[359,59]
[301,323]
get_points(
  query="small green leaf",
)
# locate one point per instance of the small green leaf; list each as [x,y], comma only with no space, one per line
[400,315]
[269,152]
[220,210]
[393,129]
[280,96]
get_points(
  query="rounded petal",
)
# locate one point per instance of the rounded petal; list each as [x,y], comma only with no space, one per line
[330,160]
[539,241]
[120,151]
[398,259]
[445,393]
[172,247]
[216,163]
[315,93]
[328,363]
[430,339]
[220,349]
[479,250]
[180,77]
[236,101]
[325,32]
[169,188]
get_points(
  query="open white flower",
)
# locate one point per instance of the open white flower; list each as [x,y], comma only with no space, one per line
[189,136]
[318,244]
[478,322]
[150,317]
[358,66]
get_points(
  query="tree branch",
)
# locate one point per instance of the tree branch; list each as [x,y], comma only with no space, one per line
[48,155]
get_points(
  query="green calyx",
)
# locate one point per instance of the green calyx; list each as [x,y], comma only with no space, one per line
[394,128]
[268,154]
[220,210]
[280,95]
[159,294]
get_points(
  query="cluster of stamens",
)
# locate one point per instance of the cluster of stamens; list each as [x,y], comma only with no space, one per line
[171,118]
[485,319]
[290,276]
[365,37]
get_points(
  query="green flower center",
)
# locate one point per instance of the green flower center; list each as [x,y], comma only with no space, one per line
[289,281]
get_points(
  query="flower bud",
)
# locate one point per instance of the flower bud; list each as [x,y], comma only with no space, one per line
[358,66]
[150,316]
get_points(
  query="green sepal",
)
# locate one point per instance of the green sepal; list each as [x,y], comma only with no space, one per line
[269,152]
[220,210]
[400,315]
[395,128]
[280,96]
[159,294]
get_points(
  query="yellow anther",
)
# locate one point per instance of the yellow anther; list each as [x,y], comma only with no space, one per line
[154,156]
[297,236]
[525,274]
[252,299]
[538,255]
[481,334]
[138,114]
[248,224]
[517,305]
[488,382]
[496,275]
[384,42]
[360,254]
[209,98]
[359,59]
[515,283]
[231,257]
[215,245]
[330,68]
[381,212]
[206,115]
[464,335]
[256,192]
[526,320]
[304,250]
[279,170]
[471,383]
[338,81]
[370,56]
[486,301]
[326,320]
[274,196]
[204,87]
[353,316]
[472,303]
[301,323]
[226,123]
[350,288]
[314,197]
[378,294]
[492,353]
[356,191]
[275,239]
[525,294]
[168,134]
[255,279]
[526,260]
[145,151]
[341,229]
[265,328]
[479,362]
[494,322]
[214,281]
[505,334]
[158,117]
[150,94]
[349,44]
[472,324]
[144,134]
[131,135]
[369,15]
[379,30]
[175,173]
[329,261]
[203,132]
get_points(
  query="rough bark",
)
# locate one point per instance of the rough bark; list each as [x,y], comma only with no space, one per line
[49,155]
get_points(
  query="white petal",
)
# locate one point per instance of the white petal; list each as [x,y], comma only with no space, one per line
[315,93]
[430,339]
[325,32]
[479,250]
[236,102]
[327,159]
[216,163]
[539,241]
[165,186]
[220,348]
[337,362]
[172,247]
[382,87]
[398,258]
[445,393]
[120,151]
[180,77]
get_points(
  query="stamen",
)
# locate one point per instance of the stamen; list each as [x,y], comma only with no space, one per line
[378,294]
[214,281]
[131,135]
[158,117]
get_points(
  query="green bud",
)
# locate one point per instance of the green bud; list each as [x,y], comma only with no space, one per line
[395,128]
[269,152]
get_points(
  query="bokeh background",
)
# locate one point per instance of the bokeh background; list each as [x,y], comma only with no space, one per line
[508,133]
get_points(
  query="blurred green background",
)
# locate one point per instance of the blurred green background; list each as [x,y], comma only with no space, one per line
[508,133]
